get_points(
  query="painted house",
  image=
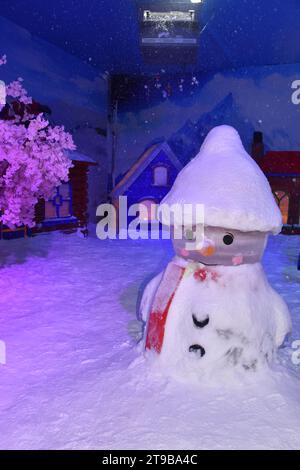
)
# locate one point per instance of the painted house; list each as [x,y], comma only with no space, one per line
[149,179]
[67,209]
[152,176]
[282,168]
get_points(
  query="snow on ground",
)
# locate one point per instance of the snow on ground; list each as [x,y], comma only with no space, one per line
[75,378]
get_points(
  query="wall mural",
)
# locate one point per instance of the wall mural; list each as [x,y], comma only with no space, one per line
[182,109]
[75,93]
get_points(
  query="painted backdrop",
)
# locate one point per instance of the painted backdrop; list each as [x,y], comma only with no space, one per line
[75,92]
[184,108]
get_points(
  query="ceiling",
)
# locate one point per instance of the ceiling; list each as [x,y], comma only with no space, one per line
[105,33]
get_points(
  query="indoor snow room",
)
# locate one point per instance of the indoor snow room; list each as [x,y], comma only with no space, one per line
[149,228]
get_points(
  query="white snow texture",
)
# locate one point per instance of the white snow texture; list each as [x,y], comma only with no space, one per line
[227,181]
[247,322]
[74,377]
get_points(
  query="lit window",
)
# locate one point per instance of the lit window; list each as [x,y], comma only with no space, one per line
[160,176]
[147,210]
[282,200]
[60,204]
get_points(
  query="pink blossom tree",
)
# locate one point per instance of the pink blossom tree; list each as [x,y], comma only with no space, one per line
[32,158]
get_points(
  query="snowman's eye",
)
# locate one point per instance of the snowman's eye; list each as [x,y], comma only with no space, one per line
[228,239]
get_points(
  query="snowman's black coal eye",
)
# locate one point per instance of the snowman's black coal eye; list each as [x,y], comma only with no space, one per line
[228,239]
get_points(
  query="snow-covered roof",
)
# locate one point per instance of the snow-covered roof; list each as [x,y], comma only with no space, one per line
[282,163]
[141,164]
[227,181]
[76,156]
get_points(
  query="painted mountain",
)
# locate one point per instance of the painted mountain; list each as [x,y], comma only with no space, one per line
[186,142]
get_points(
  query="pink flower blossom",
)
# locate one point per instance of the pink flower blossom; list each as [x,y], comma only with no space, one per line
[15,90]
[32,160]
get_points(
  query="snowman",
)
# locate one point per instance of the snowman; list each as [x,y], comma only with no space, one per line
[212,309]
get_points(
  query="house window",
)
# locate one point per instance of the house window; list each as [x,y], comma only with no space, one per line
[282,200]
[160,176]
[60,204]
[147,210]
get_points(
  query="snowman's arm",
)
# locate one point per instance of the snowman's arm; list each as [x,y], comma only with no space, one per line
[282,318]
[148,296]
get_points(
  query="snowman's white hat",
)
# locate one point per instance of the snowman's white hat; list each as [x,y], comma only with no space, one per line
[227,181]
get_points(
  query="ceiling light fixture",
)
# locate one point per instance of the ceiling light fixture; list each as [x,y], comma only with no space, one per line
[168,16]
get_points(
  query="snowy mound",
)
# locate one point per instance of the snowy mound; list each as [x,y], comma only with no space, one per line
[233,189]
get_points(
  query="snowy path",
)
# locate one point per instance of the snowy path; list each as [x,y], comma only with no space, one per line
[75,379]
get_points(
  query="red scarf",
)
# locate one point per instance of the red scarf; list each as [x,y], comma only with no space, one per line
[163,299]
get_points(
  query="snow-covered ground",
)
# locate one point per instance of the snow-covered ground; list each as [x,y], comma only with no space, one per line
[75,377]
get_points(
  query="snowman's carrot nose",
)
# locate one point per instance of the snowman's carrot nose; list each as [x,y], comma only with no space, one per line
[207,250]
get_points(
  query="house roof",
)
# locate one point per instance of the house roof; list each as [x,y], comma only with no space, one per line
[76,156]
[141,164]
[281,163]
